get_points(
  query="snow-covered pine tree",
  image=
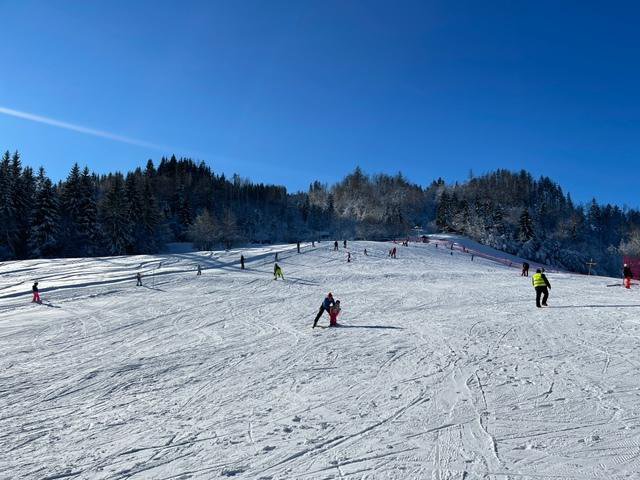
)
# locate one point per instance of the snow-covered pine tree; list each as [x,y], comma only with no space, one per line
[525,226]
[7,207]
[23,199]
[204,232]
[183,209]
[44,240]
[88,227]
[70,210]
[114,217]
[150,217]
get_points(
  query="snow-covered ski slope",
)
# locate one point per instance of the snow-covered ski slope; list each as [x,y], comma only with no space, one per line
[443,369]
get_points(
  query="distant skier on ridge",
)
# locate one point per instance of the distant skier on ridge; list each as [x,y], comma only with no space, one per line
[628,275]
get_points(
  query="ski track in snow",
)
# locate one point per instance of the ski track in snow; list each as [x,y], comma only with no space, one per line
[443,369]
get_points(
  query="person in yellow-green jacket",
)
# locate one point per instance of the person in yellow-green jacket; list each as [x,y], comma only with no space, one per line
[541,284]
[277,272]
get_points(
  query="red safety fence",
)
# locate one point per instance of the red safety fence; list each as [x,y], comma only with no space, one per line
[462,248]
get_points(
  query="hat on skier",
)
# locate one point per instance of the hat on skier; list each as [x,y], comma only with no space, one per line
[330,295]
[626,265]
[539,270]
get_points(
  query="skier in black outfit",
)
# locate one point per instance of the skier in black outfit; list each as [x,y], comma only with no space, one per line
[525,270]
[344,243]
[327,303]
[242,262]
[199,270]
[139,280]
[335,245]
[541,283]
[298,246]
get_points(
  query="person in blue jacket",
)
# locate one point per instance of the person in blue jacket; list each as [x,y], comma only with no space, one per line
[326,305]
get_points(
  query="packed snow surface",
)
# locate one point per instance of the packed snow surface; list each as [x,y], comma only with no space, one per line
[443,368]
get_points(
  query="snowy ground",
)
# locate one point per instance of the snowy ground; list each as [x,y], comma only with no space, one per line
[443,369]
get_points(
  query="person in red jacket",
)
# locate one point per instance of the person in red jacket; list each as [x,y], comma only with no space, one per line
[334,311]
[628,275]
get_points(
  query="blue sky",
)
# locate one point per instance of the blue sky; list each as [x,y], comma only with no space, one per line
[290,92]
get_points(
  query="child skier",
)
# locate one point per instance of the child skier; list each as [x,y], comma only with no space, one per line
[36,293]
[334,311]
[277,272]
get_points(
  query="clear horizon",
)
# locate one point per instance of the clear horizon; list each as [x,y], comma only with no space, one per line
[288,93]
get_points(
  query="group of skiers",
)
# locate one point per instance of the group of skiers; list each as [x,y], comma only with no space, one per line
[335,245]
[539,281]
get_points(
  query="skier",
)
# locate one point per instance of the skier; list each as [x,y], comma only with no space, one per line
[541,284]
[472,255]
[199,270]
[525,270]
[335,246]
[365,253]
[298,246]
[276,256]
[344,243]
[36,293]
[394,252]
[348,257]
[277,272]
[138,280]
[325,306]
[313,243]
[628,275]
[334,311]
[242,262]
